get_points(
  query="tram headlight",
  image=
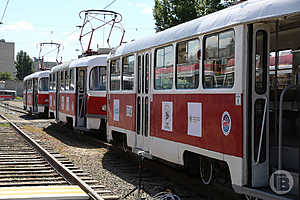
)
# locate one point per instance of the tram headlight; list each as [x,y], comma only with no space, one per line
[103,108]
[46,100]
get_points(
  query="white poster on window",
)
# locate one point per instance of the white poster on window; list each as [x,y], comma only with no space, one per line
[167,116]
[195,119]
[128,111]
[116,110]
[50,100]
[68,102]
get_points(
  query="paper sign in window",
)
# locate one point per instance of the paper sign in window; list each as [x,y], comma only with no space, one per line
[195,119]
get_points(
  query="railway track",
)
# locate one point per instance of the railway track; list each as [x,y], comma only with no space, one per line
[7,106]
[26,162]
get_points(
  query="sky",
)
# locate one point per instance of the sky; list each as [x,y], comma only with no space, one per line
[27,23]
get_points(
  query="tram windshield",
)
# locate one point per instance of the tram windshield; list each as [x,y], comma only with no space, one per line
[98,78]
[43,84]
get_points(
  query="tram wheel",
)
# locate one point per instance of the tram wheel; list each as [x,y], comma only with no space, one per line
[206,170]
[124,146]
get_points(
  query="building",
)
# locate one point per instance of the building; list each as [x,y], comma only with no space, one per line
[7,55]
[46,65]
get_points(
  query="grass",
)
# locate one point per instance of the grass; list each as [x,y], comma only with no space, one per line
[4,125]
[34,129]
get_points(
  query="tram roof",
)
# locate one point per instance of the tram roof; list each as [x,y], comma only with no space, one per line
[40,74]
[96,60]
[243,13]
[60,67]
[11,91]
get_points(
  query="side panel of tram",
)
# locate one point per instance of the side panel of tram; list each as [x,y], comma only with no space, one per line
[166,122]
[221,105]
[7,95]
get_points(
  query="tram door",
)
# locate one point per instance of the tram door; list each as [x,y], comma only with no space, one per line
[35,95]
[143,102]
[81,97]
[57,95]
[259,98]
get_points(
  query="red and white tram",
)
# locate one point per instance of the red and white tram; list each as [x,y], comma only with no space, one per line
[36,93]
[203,95]
[7,94]
[78,92]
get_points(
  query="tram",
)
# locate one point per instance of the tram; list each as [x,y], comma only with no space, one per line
[78,93]
[36,93]
[7,94]
[204,95]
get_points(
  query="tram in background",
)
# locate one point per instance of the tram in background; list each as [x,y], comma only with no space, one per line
[7,94]
[203,95]
[36,93]
[78,93]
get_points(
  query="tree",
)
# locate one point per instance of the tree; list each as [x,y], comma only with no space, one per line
[168,13]
[5,76]
[23,64]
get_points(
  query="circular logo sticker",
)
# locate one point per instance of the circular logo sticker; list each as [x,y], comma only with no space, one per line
[226,123]
[281,182]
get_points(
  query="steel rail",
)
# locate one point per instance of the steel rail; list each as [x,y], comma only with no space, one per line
[9,107]
[57,165]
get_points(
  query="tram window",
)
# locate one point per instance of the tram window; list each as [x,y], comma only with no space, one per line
[50,81]
[139,73]
[115,75]
[187,66]
[128,73]
[71,80]
[54,81]
[164,68]
[67,80]
[219,65]
[43,84]
[62,80]
[29,85]
[58,80]
[98,78]
[147,68]
[81,81]
[261,62]
[286,74]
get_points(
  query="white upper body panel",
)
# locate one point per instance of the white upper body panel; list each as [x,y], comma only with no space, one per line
[40,74]
[89,61]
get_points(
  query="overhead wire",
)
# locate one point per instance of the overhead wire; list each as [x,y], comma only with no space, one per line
[110,4]
[1,21]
